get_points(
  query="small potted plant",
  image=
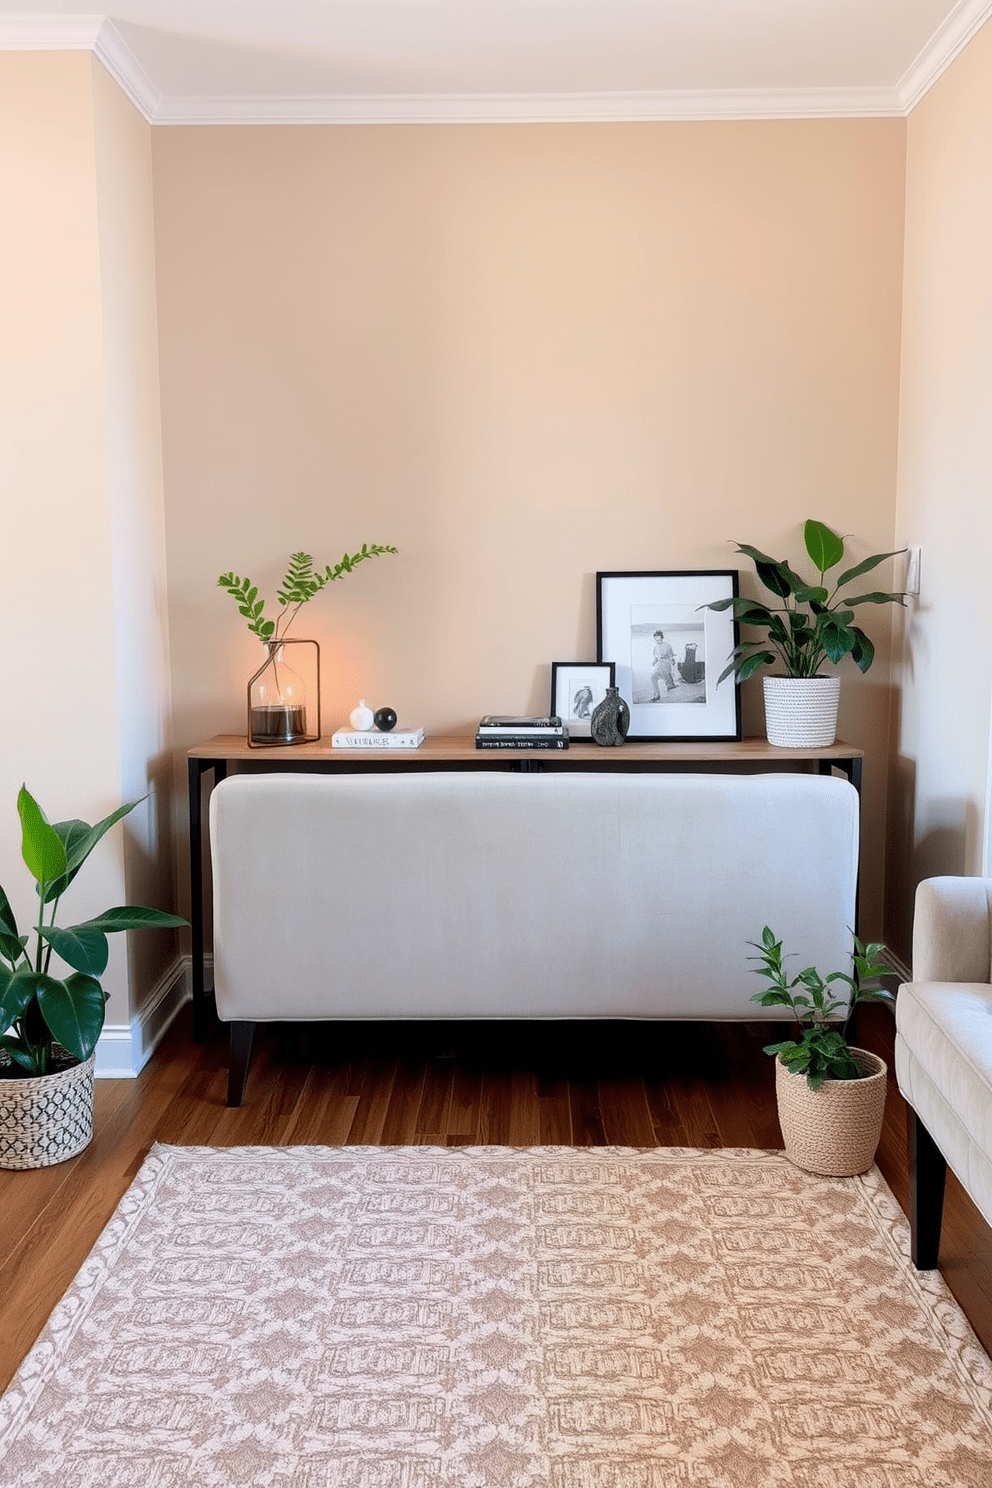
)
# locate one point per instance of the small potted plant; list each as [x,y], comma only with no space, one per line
[831,1095]
[812,624]
[279,709]
[50,1024]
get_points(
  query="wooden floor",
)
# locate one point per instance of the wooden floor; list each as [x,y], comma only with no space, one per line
[626,1084]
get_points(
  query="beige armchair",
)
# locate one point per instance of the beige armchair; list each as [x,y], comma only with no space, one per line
[944,1053]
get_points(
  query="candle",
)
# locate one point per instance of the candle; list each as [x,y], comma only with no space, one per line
[277,724]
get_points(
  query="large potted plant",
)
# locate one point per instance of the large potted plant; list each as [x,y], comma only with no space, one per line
[831,1095]
[49,1025]
[811,625]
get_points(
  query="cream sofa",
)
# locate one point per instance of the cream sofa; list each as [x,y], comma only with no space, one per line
[944,1053]
[503,895]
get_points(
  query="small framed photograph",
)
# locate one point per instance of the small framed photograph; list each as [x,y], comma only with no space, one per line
[668,651]
[576,689]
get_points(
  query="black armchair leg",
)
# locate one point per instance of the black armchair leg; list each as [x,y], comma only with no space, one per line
[241,1041]
[927,1177]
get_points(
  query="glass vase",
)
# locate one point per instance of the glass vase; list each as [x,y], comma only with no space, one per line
[284,695]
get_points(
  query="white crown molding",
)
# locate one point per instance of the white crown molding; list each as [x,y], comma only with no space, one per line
[91,33]
[48,33]
[98,34]
[124,67]
[947,41]
[531,108]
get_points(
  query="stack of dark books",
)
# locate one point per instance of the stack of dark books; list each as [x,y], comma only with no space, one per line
[499,732]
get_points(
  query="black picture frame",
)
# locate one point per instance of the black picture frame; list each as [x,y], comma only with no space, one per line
[570,682]
[671,696]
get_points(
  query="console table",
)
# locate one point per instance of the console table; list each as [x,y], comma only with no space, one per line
[209,762]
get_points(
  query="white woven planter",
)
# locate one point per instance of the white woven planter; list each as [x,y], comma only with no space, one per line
[834,1130]
[801,712]
[46,1119]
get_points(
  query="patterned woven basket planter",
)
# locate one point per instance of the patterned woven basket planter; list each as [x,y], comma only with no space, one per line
[835,1130]
[801,712]
[46,1119]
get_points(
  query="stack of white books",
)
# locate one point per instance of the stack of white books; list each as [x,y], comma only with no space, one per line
[397,738]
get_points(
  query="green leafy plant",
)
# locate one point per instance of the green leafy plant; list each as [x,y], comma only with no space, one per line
[814,623]
[820,1050]
[42,1009]
[300,584]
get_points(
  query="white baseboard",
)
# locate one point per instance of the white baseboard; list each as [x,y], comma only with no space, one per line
[124,1048]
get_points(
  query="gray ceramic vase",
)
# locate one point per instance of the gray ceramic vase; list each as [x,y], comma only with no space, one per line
[610,719]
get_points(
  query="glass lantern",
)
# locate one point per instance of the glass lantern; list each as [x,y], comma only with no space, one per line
[284,695]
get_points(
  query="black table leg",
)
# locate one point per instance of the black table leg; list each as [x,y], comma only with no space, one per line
[202,1012]
[196,897]
[927,1177]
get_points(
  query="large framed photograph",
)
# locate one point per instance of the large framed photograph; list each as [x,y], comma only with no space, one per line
[577,687]
[668,651]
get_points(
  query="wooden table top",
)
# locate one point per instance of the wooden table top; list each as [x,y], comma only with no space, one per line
[461,747]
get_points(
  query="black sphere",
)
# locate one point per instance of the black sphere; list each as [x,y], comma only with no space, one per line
[385,719]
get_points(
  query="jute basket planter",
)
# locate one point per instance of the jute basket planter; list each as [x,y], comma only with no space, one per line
[834,1130]
[46,1119]
[801,712]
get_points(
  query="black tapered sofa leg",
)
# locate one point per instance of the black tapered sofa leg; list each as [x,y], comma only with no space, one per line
[241,1040]
[927,1178]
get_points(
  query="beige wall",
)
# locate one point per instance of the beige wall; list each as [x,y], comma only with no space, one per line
[76,471]
[944,667]
[137,512]
[519,353]
[522,354]
[58,590]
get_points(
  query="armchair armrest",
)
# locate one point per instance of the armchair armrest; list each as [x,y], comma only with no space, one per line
[952,930]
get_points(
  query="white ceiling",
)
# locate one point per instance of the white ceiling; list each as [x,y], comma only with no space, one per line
[246,61]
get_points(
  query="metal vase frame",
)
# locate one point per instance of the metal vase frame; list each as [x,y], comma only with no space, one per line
[288,735]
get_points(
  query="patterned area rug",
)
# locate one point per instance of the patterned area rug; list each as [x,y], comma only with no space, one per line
[369,1317]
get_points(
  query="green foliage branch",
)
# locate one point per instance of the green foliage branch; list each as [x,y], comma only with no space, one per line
[820,1050]
[813,624]
[38,1009]
[300,584]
